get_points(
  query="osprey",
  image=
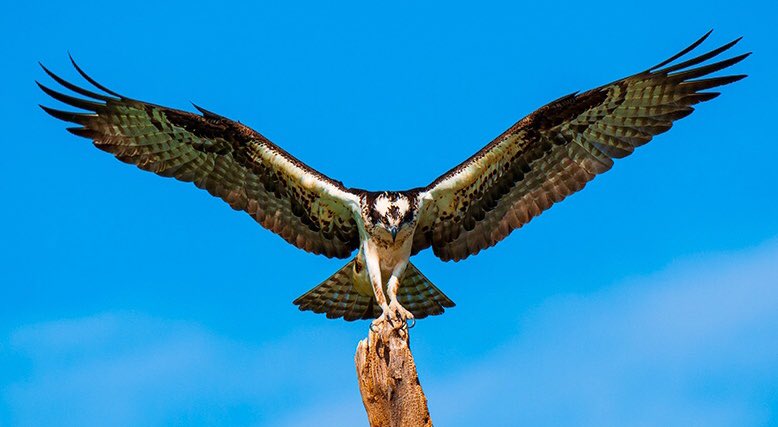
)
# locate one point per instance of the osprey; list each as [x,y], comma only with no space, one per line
[540,160]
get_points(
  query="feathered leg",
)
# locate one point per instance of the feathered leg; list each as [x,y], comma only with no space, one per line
[373,267]
[397,310]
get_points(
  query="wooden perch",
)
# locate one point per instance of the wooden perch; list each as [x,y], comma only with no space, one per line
[390,387]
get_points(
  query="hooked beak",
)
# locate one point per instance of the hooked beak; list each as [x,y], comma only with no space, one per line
[393,230]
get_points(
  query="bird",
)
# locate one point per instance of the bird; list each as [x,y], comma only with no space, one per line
[543,158]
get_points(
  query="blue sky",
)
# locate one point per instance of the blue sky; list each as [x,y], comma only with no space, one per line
[650,298]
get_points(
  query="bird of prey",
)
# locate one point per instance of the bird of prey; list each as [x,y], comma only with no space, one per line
[540,160]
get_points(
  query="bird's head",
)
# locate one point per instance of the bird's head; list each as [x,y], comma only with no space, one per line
[392,213]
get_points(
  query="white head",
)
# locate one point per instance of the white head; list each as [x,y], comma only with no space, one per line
[393,212]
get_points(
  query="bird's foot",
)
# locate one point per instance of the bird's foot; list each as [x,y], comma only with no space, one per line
[403,317]
[375,325]
[396,316]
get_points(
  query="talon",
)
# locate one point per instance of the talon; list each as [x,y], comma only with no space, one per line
[402,315]
[380,319]
[411,322]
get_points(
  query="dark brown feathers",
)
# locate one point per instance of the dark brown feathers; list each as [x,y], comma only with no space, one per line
[539,161]
[222,156]
[337,297]
[556,150]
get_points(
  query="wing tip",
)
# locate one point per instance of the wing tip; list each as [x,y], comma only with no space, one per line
[82,132]
[77,89]
[91,80]
[70,100]
[682,52]
[207,113]
[698,59]
[66,116]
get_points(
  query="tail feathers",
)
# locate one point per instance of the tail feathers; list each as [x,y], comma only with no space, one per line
[419,296]
[336,296]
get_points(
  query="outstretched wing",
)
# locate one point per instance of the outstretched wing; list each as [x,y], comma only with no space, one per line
[222,156]
[556,150]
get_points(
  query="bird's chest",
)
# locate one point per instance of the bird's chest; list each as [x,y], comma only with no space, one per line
[390,256]
[389,252]
[387,256]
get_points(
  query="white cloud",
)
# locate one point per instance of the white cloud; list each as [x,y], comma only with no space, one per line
[694,345]
[125,369]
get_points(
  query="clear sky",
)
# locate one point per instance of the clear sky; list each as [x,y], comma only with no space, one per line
[650,298]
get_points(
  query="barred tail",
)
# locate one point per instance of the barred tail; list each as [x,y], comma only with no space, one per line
[336,296]
[419,296]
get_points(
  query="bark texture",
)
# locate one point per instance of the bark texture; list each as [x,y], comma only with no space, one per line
[390,387]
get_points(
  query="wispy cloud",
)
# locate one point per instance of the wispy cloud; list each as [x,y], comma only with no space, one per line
[125,369]
[696,344]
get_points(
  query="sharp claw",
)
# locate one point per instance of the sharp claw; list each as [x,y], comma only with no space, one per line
[400,316]
[380,319]
[397,316]
[412,323]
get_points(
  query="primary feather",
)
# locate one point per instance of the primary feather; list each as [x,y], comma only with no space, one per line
[224,157]
[557,149]
[539,161]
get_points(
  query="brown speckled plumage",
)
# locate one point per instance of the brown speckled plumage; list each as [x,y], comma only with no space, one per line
[539,161]
[336,297]
[556,150]
[224,157]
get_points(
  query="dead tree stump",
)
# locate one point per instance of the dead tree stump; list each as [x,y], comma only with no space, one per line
[390,387]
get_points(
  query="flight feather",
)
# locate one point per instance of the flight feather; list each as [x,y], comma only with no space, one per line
[557,149]
[222,156]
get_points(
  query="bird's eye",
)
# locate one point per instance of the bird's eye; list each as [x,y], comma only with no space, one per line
[375,218]
[408,217]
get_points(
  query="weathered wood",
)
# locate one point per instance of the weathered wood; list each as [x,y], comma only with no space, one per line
[390,387]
